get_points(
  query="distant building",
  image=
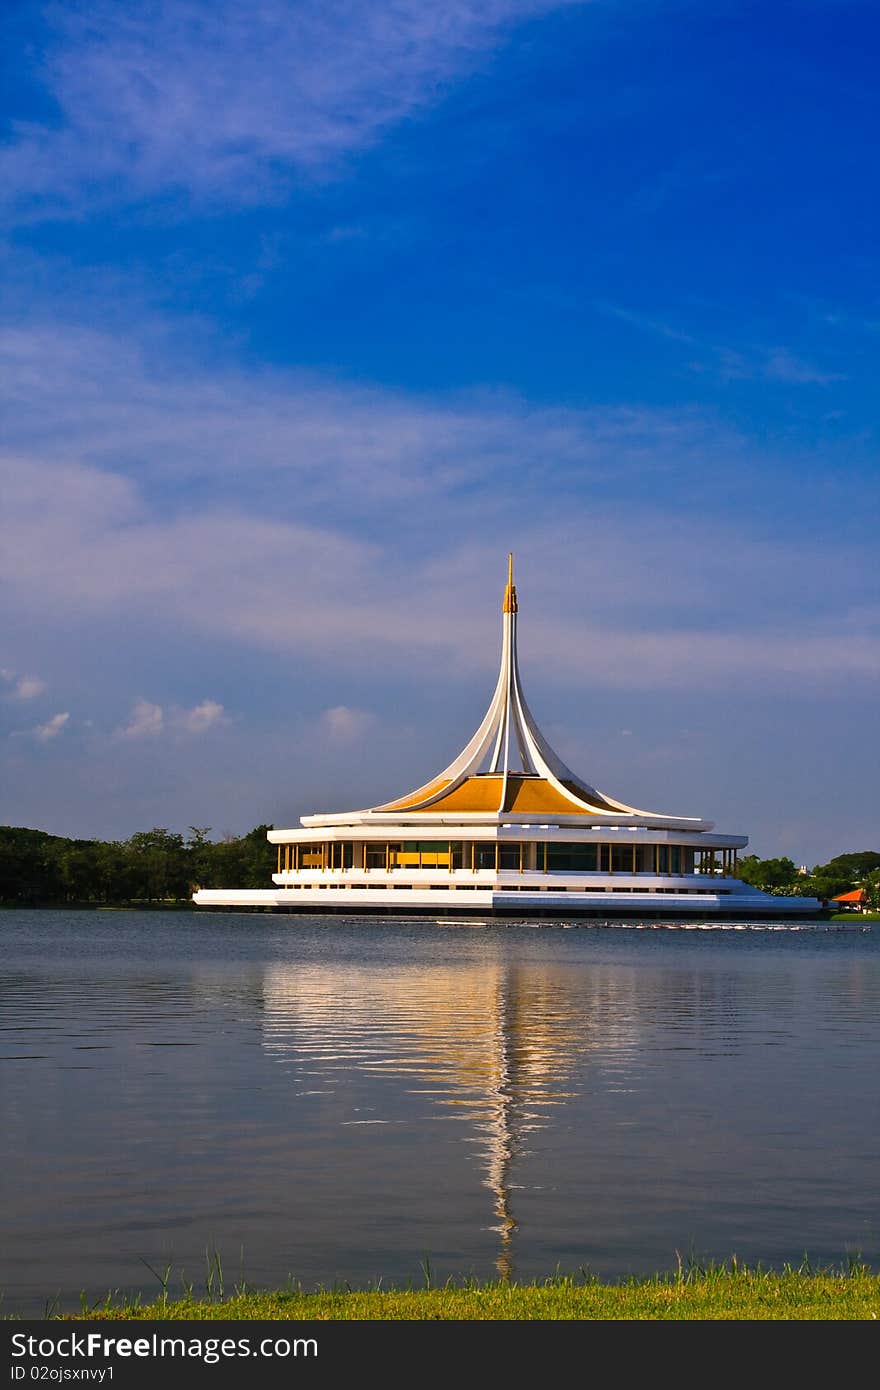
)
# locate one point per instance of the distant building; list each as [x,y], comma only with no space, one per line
[507,828]
[855,900]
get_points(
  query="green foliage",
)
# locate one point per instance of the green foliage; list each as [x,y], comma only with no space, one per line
[845,872]
[870,886]
[152,866]
[852,866]
[712,1292]
[770,875]
[825,881]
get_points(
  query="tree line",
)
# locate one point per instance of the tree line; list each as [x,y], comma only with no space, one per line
[160,866]
[841,874]
[151,866]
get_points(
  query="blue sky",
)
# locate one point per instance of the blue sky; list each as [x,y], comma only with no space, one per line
[312,311]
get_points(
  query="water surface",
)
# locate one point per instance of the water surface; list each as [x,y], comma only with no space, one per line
[328,1098]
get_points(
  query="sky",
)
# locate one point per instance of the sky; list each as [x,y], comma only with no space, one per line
[314,309]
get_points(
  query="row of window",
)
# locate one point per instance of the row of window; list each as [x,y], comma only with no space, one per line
[508,888]
[537,857]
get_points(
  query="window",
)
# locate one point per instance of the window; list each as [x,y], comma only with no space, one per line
[376,856]
[581,859]
[671,859]
[621,859]
[645,859]
[340,854]
[421,854]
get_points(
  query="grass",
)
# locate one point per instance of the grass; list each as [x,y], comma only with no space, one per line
[715,1292]
[855,917]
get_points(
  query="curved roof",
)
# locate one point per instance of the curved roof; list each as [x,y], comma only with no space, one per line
[508,769]
[524,795]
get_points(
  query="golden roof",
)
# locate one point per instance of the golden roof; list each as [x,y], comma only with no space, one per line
[524,796]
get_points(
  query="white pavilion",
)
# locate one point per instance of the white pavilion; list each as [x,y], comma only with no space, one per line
[507,829]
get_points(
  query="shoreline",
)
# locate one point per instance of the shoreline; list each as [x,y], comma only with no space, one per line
[728,1292]
[184,905]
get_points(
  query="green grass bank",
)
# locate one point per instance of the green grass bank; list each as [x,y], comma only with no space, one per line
[722,1294]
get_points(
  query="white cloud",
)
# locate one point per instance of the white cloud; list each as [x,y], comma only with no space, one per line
[344,724]
[227,101]
[146,720]
[44,733]
[206,715]
[27,687]
[782,365]
[23,687]
[646,322]
[728,363]
[76,395]
[771,364]
[351,525]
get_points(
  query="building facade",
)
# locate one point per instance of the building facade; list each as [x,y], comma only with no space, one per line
[508,829]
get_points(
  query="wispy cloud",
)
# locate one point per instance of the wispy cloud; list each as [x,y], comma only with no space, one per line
[345,724]
[23,687]
[365,603]
[226,101]
[84,396]
[202,717]
[377,507]
[728,363]
[44,733]
[775,364]
[146,720]
[781,365]
[646,323]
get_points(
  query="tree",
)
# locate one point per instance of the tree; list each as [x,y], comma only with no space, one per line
[844,873]
[870,886]
[770,875]
[853,866]
[247,861]
[80,874]
[163,864]
[199,849]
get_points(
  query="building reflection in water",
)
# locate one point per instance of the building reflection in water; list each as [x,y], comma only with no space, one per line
[496,1045]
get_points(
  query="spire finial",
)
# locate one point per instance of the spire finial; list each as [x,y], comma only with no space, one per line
[510,605]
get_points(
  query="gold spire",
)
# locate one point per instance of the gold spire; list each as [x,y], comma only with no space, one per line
[510,605]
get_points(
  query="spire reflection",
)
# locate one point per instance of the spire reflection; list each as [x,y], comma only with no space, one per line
[492,1046]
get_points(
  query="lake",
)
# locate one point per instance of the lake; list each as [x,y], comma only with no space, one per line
[330,1099]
